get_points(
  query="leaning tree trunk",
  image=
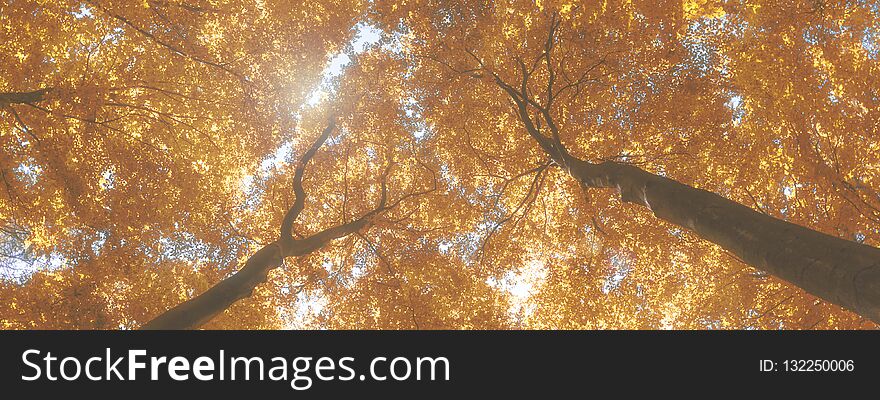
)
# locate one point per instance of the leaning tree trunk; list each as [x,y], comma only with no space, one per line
[200,309]
[840,271]
[204,307]
[23,97]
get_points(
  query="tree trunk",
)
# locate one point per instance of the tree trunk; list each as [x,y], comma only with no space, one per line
[840,271]
[200,309]
[22,97]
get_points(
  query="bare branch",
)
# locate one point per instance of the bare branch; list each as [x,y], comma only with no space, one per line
[539,173]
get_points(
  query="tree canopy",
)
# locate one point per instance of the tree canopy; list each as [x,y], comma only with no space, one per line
[432,164]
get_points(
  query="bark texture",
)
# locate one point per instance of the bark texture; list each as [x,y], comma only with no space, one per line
[840,271]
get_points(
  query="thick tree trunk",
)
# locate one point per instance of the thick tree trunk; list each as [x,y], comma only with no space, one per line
[22,97]
[200,309]
[204,307]
[840,271]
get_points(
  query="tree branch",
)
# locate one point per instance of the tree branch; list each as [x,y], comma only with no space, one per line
[35,96]
[299,203]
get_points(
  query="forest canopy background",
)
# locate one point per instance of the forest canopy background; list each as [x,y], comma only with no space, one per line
[420,164]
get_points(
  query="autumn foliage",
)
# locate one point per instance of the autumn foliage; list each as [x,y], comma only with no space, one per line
[434,162]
